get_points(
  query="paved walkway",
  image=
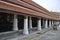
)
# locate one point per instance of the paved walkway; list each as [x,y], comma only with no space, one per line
[14,35]
[50,35]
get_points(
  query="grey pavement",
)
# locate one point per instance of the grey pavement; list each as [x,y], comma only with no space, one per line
[50,35]
[17,35]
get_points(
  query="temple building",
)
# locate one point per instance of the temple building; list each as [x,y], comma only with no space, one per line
[25,15]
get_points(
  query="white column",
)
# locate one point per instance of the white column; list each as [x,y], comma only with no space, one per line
[59,24]
[39,24]
[15,23]
[43,23]
[26,26]
[30,23]
[49,23]
[46,24]
[52,23]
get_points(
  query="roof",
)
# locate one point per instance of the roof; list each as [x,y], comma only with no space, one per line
[26,7]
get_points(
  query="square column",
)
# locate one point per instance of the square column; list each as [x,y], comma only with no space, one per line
[46,23]
[59,24]
[39,24]
[15,23]
[43,23]
[50,24]
[30,22]
[26,26]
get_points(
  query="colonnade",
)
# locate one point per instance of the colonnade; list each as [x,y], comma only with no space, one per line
[25,30]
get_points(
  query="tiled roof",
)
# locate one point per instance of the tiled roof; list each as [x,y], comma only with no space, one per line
[27,7]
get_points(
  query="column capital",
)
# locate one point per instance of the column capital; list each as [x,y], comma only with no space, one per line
[39,18]
[46,19]
[25,17]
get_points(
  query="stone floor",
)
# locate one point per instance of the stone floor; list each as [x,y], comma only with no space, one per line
[27,37]
[14,35]
[50,35]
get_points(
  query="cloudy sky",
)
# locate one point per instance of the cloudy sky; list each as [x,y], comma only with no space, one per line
[51,5]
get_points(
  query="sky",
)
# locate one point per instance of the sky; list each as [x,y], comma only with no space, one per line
[51,5]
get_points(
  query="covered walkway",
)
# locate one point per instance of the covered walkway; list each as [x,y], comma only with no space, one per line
[24,17]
